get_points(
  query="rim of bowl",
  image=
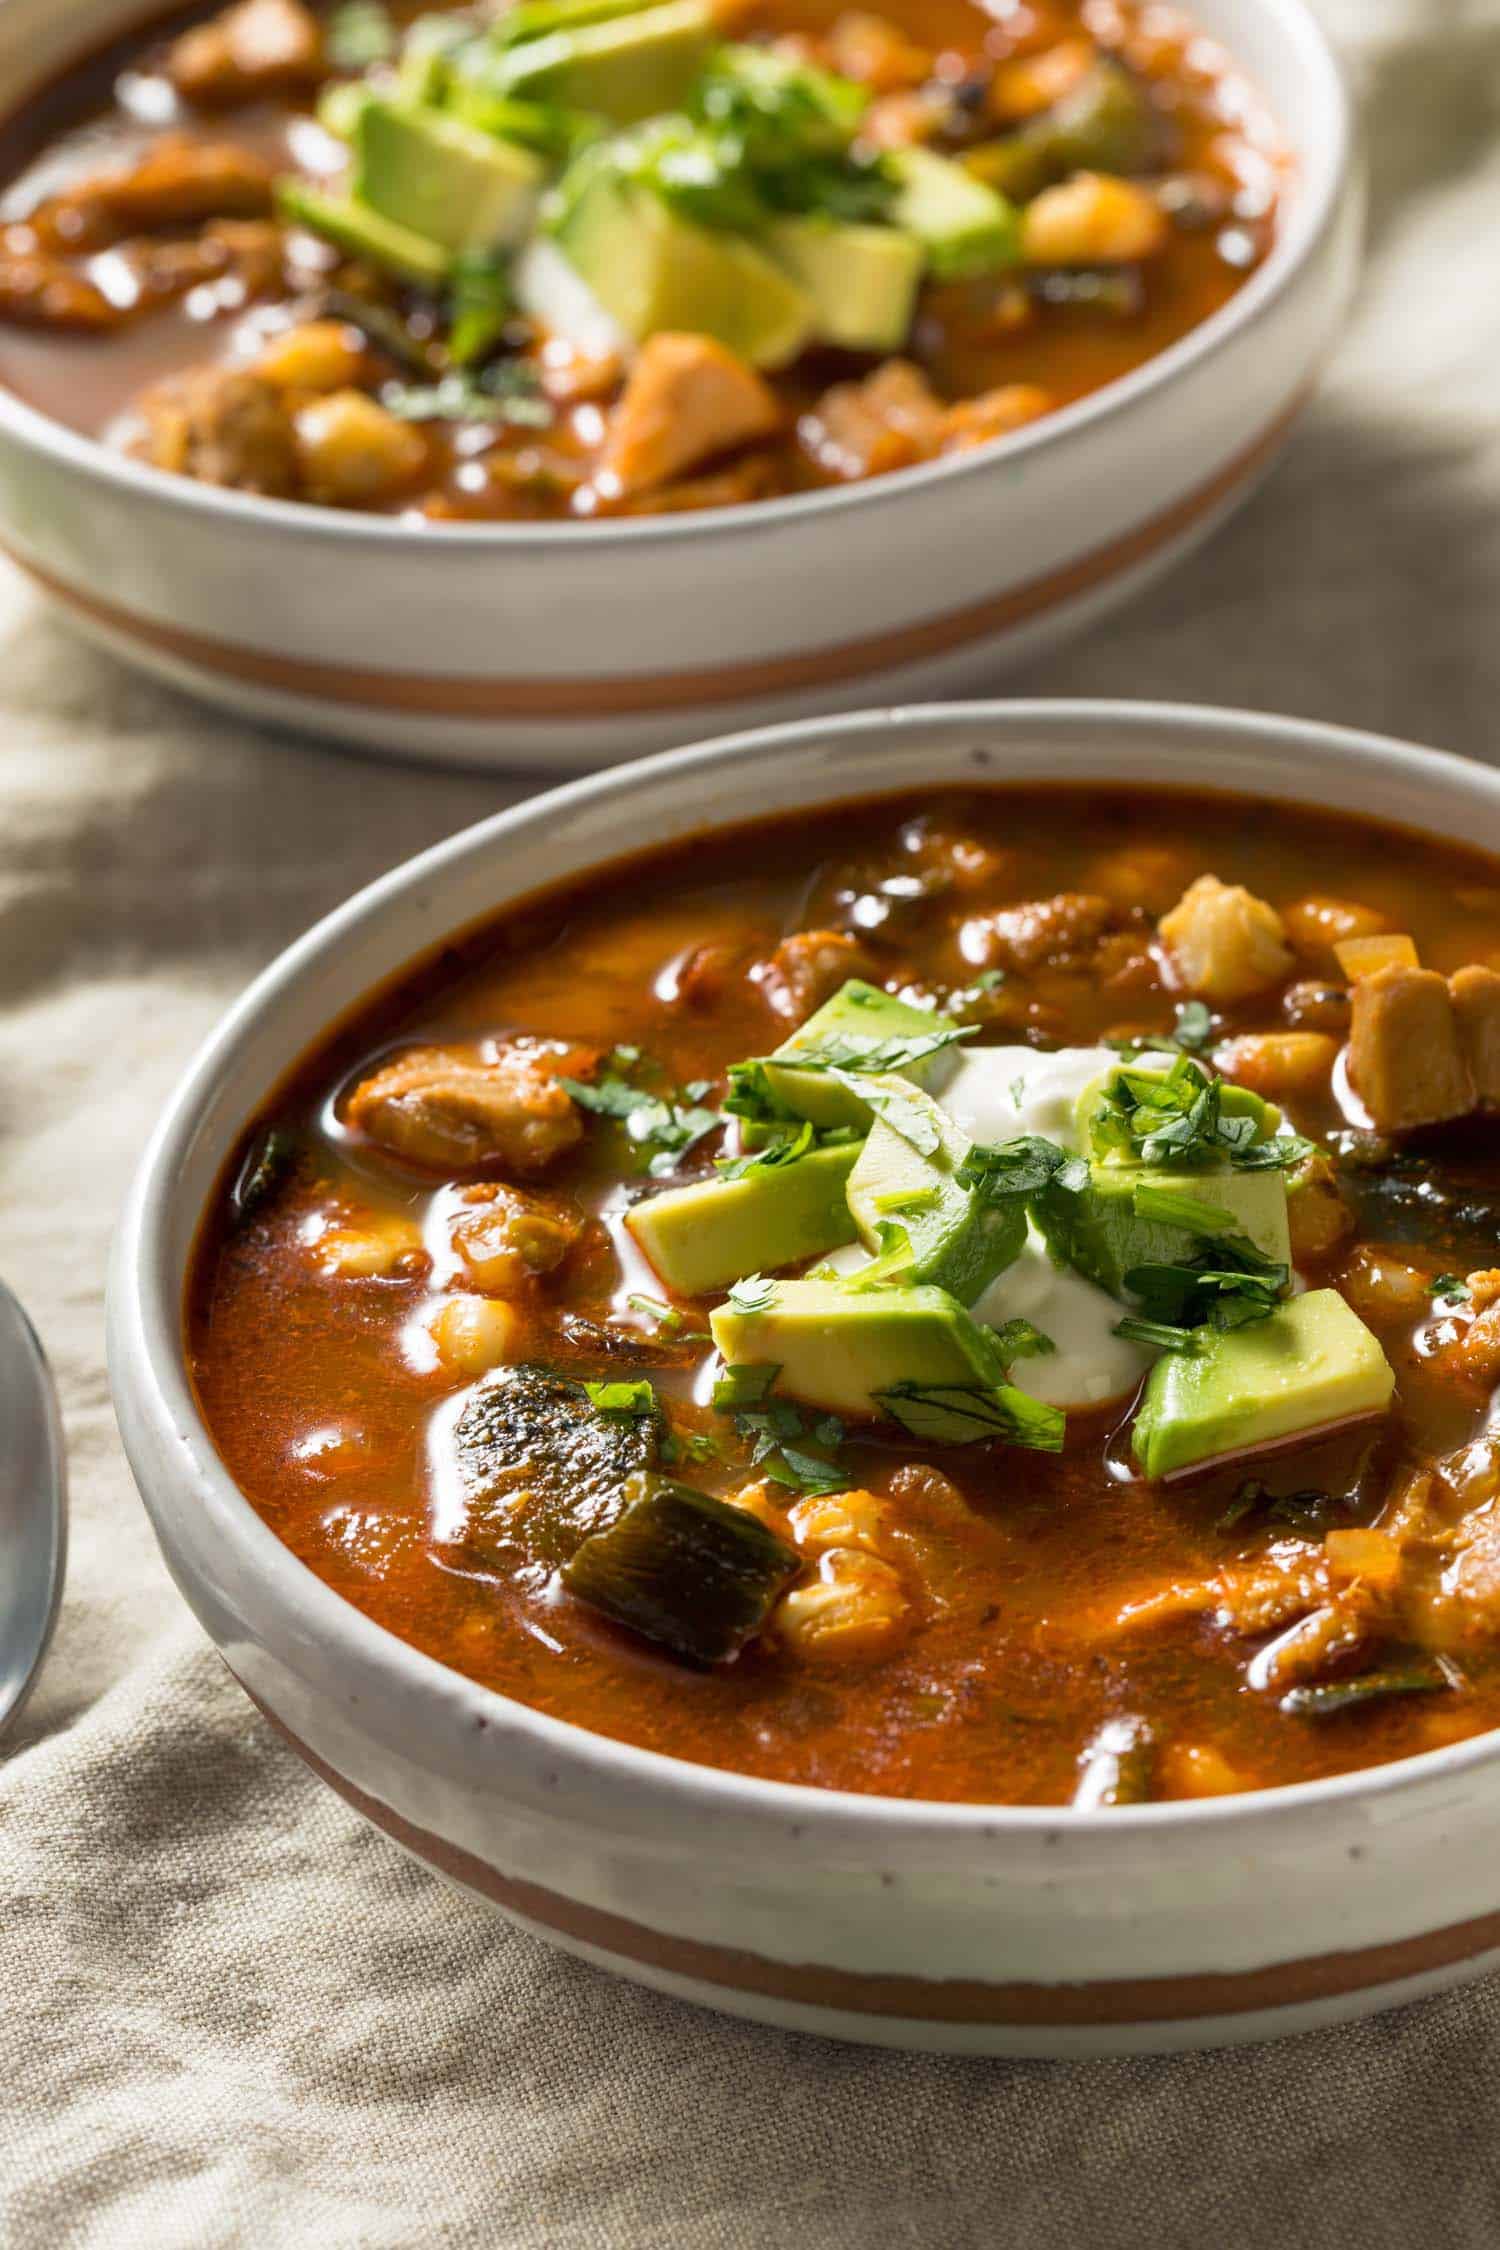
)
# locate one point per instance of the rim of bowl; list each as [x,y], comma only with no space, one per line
[1326,171]
[147,1359]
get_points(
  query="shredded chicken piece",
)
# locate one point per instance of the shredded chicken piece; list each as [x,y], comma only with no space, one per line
[1041,931]
[886,421]
[259,47]
[1225,944]
[1406,1062]
[176,184]
[224,426]
[994,414]
[449,1107]
[687,399]
[807,968]
[40,291]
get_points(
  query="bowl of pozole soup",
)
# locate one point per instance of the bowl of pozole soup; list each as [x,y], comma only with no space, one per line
[348,356]
[885,1416]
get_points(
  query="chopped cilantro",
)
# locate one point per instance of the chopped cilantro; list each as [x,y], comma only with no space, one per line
[506,392]
[974,1414]
[1022,1339]
[631,1400]
[479,305]
[755,1294]
[360,34]
[904,1116]
[890,1268]
[745,1385]
[1450,1289]
[775,1430]
[651,1121]
[1005,1170]
[1176,1118]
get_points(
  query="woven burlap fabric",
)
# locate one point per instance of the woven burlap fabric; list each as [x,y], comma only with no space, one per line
[229,2012]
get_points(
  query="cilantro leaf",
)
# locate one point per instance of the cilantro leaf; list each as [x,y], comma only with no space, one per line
[974,1414]
[756,1293]
[632,1401]
[1022,1339]
[1021,1168]
[652,1122]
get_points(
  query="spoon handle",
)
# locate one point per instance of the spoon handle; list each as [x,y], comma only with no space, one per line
[33,1506]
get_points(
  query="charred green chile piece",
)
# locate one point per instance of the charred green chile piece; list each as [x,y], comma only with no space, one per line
[684,1569]
[1104,125]
[269,1162]
[541,1468]
[1118,1766]
[1326,1698]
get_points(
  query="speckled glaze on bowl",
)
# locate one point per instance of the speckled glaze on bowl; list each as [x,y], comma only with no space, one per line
[560,646]
[964,1927]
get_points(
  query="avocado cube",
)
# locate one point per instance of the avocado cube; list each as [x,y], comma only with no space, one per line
[856,1011]
[960,1241]
[1098,1231]
[1311,1365]
[702,1237]
[651,270]
[626,68]
[964,227]
[458,188]
[363,233]
[862,280]
[837,1347]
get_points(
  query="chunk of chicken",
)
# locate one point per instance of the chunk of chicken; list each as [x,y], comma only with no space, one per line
[994,414]
[1093,219]
[1406,1062]
[176,184]
[886,421]
[1224,943]
[507,1236]
[224,426]
[40,291]
[259,47]
[807,968]
[449,1108]
[1041,931]
[1476,1004]
[687,399]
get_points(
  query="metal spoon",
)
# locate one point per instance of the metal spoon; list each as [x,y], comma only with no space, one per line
[33,1507]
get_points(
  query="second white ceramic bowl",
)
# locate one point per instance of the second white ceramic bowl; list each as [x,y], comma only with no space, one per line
[974,1927]
[564,645]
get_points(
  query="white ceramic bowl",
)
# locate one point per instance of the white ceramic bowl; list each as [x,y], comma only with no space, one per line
[949,1926]
[563,645]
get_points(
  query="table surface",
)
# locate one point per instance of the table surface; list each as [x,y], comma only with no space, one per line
[230,2012]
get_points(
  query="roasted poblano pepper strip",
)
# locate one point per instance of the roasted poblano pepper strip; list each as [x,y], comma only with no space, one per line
[683,1568]
[541,1467]
[1117,1767]
[1104,125]
[269,1162]
[1326,1698]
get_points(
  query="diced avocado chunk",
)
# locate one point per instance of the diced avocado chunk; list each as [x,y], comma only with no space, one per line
[862,280]
[964,227]
[626,68]
[653,270]
[1312,1363]
[1234,1101]
[960,1240]
[684,1569]
[341,105]
[838,1347]
[363,233]
[1099,1231]
[461,189]
[702,1237]
[857,1011]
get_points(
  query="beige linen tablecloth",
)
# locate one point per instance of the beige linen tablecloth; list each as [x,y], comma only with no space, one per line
[229,2012]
